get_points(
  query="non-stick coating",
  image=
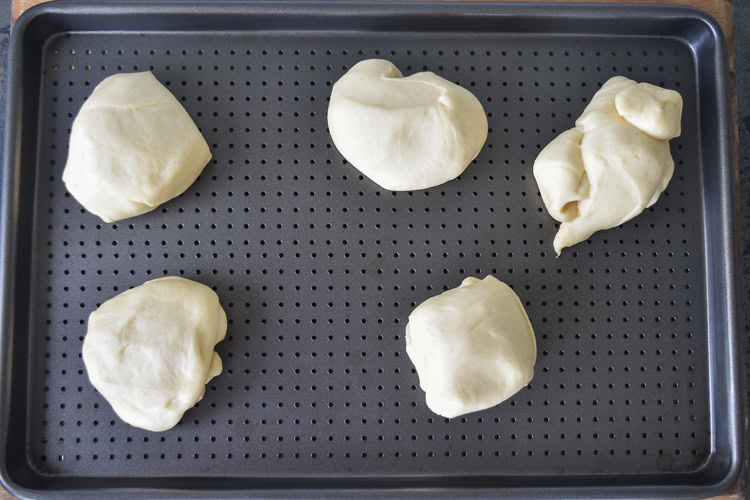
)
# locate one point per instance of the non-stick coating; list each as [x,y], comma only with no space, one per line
[638,387]
[318,269]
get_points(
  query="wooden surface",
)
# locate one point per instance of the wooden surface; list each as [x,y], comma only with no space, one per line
[721,10]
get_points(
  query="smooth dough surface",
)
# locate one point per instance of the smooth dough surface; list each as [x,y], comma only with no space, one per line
[150,350]
[132,147]
[405,133]
[614,163]
[473,346]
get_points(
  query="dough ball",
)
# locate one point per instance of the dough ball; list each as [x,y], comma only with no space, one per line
[473,346]
[150,350]
[405,133]
[132,147]
[614,163]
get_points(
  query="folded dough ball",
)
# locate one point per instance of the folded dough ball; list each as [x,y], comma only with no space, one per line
[614,163]
[473,346]
[405,133]
[132,147]
[150,350]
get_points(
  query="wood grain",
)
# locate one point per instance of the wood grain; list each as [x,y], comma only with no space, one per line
[721,10]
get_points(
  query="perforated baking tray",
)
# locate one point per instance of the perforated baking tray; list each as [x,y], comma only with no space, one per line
[637,389]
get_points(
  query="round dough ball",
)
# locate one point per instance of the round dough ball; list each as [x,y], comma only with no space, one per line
[132,147]
[473,346]
[150,350]
[405,133]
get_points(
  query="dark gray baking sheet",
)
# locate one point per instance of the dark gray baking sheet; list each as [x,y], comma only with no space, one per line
[637,389]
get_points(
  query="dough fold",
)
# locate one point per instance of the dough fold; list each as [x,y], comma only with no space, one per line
[613,164]
[404,133]
[132,147]
[473,346]
[150,350]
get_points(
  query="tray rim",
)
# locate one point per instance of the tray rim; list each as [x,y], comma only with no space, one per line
[728,259]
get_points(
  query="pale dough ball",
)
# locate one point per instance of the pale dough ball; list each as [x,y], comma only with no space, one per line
[150,350]
[473,346]
[614,163]
[405,133]
[132,147]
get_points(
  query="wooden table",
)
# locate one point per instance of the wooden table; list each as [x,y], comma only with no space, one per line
[719,9]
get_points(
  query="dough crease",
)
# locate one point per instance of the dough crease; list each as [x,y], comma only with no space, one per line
[473,346]
[615,162]
[404,133]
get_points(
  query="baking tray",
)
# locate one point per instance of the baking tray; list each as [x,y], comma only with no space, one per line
[638,388]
